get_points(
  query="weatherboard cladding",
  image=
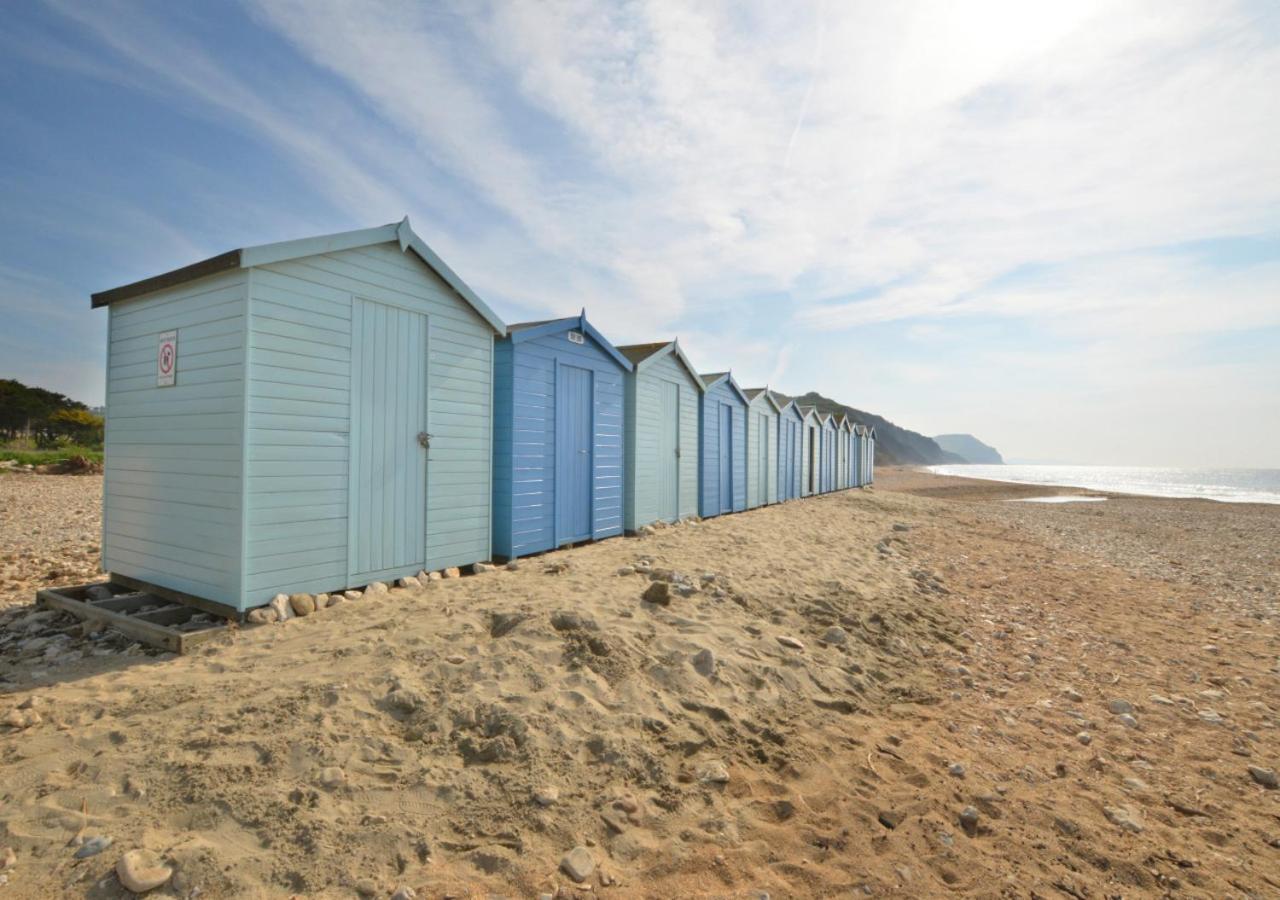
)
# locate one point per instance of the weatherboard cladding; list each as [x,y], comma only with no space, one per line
[537,481]
[829,437]
[790,448]
[810,445]
[297,379]
[173,485]
[762,449]
[724,470]
[661,379]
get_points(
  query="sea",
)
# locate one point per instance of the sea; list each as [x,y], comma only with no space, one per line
[1226,485]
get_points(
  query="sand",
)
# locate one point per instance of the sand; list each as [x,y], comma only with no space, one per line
[874,693]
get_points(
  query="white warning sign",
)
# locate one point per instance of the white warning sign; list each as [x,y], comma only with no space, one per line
[167,359]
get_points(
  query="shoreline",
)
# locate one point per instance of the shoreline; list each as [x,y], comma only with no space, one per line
[1061,489]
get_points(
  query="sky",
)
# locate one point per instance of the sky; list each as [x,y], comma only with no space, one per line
[1055,226]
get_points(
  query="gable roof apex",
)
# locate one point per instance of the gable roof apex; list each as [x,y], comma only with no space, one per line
[281,251]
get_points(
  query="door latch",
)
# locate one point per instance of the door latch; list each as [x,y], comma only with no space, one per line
[424,439]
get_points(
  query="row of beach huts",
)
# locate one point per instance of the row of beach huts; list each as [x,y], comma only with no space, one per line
[319,414]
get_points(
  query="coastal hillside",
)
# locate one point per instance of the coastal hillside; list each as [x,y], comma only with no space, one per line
[969,448]
[894,445]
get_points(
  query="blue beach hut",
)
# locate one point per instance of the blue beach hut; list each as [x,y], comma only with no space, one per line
[790,446]
[829,434]
[559,435]
[663,402]
[723,447]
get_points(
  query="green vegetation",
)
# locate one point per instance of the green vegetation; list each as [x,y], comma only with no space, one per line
[41,428]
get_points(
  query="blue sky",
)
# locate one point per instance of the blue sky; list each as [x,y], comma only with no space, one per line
[1056,226]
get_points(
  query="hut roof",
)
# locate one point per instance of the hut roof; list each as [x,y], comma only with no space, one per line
[525,331]
[265,254]
[641,355]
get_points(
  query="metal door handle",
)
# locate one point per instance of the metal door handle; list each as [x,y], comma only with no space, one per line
[582,451]
[424,439]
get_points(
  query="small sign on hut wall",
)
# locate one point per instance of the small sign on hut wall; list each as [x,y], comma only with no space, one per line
[167,359]
[576,337]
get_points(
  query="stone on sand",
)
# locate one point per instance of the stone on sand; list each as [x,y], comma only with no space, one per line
[578,864]
[1123,817]
[283,609]
[323,601]
[658,593]
[546,796]
[1085,738]
[481,567]
[1127,720]
[1120,707]
[142,870]
[969,820]
[704,662]
[714,772]
[377,587]
[434,576]
[1265,777]
[302,604]
[332,777]
[452,572]
[352,595]
[835,635]
[410,582]
[8,858]
[788,641]
[513,565]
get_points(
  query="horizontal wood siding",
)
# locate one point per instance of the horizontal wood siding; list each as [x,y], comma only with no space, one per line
[642,440]
[300,415]
[527,408]
[761,406]
[174,478]
[722,395]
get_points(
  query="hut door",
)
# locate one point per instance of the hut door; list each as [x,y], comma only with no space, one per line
[726,458]
[813,461]
[387,503]
[762,457]
[669,453]
[573,453]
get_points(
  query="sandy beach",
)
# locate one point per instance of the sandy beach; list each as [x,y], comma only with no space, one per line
[916,690]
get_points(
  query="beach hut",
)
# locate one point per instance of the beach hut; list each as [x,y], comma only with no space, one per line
[304,416]
[810,447]
[871,456]
[663,400]
[559,433]
[762,447]
[844,453]
[827,481]
[723,445]
[790,448]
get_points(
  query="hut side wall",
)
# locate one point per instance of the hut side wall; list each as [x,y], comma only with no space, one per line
[643,410]
[173,489]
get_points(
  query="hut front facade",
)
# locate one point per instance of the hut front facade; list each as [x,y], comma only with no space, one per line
[810,450]
[723,446]
[871,456]
[762,448]
[559,436]
[304,416]
[790,449]
[663,403]
[844,476]
[829,435]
